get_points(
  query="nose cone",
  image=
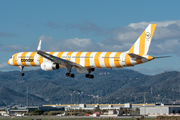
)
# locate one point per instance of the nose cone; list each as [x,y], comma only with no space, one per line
[150,58]
[9,61]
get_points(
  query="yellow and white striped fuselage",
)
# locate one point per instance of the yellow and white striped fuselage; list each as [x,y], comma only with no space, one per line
[85,59]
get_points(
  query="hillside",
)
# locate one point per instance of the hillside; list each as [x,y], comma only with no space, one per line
[115,86]
[8,96]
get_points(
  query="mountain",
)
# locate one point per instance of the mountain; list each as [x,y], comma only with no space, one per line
[8,96]
[108,86]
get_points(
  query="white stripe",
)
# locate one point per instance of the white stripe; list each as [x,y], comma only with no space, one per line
[122,57]
[101,59]
[147,41]
[111,59]
[27,57]
[64,55]
[73,56]
[11,61]
[36,59]
[19,58]
[55,54]
[136,46]
[92,64]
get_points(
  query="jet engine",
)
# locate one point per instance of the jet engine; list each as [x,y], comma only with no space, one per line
[48,66]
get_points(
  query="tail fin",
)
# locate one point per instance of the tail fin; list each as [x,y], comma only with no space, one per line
[141,46]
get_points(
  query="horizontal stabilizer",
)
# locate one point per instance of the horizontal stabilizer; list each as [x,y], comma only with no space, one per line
[161,57]
[135,56]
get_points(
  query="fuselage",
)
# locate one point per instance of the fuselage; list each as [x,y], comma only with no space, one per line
[85,59]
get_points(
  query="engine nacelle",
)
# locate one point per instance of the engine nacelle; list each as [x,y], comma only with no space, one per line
[85,70]
[48,66]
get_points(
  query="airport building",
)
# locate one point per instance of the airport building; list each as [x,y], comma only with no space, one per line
[100,106]
[163,109]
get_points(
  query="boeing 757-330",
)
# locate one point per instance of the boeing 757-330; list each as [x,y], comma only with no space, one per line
[86,62]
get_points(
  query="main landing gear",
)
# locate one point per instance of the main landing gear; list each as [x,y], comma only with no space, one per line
[69,74]
[89,75]
[22,73]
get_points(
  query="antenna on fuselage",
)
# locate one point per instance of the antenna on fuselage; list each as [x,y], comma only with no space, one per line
[39,46]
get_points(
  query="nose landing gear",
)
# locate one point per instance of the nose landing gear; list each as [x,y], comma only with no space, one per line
[22,73]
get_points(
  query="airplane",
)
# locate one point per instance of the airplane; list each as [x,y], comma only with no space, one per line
[19,115]
[61,115]
[4,114]
[86,62]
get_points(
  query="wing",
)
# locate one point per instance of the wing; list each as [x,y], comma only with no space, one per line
[54,58]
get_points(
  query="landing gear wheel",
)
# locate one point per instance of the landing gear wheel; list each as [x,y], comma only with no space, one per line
[22,74]
[87,75]
[72,75]
[67,74]
[91,76]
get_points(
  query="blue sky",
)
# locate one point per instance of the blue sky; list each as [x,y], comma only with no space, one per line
[90,25]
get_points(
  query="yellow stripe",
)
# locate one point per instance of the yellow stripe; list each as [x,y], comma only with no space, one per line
[132,49]
[142,44]
[32,57]
[51,53]
[40,59]
[153,26]
[14,59]
[87,59]
[77,58]
[96,60]
[9,62]
[106,59]
[127,60]
[23,56]
[116,59]
[150,57]
[60,54]
[69,56]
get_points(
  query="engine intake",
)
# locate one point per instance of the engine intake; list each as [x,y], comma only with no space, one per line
[48,66]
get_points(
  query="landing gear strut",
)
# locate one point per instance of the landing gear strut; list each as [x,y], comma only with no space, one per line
[22,73]
[69,74]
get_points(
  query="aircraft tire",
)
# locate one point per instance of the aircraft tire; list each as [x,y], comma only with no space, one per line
[22,74]
[87,75]
[72,75]
[91,76]
[67,74]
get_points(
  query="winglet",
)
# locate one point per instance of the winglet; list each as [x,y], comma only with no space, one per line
[39,46]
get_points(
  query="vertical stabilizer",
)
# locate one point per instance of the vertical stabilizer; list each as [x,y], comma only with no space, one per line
[141,46]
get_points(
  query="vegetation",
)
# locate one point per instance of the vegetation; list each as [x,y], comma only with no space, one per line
[109,86]
[37,112]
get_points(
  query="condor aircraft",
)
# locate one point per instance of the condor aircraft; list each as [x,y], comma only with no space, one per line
[86,62]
